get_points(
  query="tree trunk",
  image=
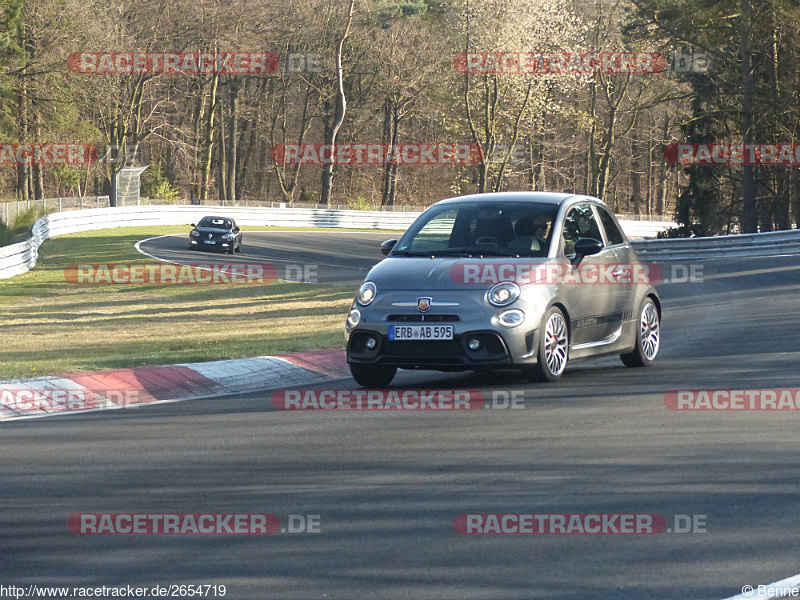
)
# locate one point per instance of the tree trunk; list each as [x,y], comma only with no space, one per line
[208,139]
[222,158]
[661,198]
[22,168]
[233,134]
[38,172]
[749,219]
[636,177]
[393,167]
[388,136]
[341,110]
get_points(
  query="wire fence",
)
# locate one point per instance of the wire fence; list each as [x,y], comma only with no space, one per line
[9,211]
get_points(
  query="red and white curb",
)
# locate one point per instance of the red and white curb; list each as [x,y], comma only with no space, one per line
[123,388]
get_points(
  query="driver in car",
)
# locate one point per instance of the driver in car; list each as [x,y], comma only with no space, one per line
[531,234]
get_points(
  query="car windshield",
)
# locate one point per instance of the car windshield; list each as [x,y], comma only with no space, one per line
[480,229]
[215,222]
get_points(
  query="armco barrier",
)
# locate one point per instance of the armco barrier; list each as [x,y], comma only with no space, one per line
[22,257]
[724,246]
[19,258]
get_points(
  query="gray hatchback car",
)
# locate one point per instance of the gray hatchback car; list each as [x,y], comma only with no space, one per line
[513,280]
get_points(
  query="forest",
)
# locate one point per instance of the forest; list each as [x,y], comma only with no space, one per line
[391,103]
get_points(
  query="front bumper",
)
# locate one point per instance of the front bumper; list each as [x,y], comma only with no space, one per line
[454,354]
[471,316]
[211,244]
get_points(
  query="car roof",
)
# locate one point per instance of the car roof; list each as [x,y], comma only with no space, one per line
[213,217]
[541,197]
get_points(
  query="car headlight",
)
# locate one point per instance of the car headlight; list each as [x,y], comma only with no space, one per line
[227,236]
[353,318]
[503,293]
[195,233]
[366,293]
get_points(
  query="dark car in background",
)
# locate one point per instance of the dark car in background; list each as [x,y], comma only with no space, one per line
[216,233]
[516,280]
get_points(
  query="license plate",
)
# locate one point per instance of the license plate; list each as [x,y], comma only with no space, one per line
[421,332]
[209,242]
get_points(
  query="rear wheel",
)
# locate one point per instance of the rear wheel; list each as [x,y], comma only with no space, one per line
[372,376]
[648,337]
[553,348]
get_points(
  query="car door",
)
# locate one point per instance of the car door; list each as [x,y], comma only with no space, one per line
[624,273]
[593,303]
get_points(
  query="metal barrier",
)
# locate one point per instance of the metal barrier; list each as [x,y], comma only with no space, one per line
[723,246]
[19,258]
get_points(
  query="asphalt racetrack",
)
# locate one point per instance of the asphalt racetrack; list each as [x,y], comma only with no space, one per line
[388,485]
[313,256]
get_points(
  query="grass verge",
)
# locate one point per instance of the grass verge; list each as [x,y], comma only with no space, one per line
[51,327]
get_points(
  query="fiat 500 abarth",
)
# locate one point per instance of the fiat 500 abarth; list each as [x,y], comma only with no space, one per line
[513,280]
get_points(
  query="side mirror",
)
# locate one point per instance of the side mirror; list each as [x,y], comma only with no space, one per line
[193,225]
[236,230]
[587,247]
[387,246]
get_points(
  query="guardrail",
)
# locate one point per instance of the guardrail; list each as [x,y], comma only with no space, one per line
[19,258]
[723,246]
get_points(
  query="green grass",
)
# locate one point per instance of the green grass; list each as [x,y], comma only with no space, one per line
[52,327]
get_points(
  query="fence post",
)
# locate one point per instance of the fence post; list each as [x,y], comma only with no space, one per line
[59,204]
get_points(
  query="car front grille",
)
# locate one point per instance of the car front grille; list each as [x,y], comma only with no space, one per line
[413,318]
[425,349]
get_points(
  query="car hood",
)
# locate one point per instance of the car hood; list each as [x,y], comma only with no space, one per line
[407,273]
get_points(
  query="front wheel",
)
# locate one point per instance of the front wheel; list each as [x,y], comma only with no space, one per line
[648,337]
[372,376]
[553,348]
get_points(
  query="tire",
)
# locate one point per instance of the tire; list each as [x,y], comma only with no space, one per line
[553,352]
[231,249]
[648,337]
[372,376]
[239,248]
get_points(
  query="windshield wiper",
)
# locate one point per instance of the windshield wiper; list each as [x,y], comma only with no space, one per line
[471,252]
[495,252]
[410,253]
[453,252]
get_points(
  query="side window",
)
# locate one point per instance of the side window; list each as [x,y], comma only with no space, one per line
[613,233]
[579,223]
